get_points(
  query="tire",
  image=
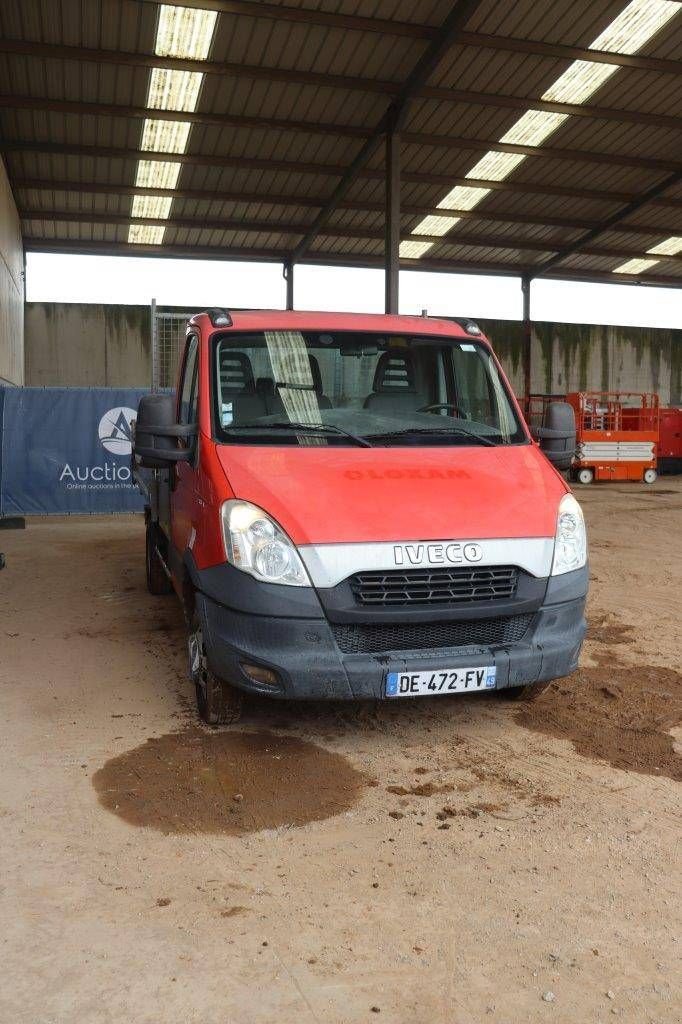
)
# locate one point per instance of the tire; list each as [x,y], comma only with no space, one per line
[527,693]
[650,475]
[585,476]
[218,703]
[157,580]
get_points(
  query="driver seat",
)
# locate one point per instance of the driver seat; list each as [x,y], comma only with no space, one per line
[394,388]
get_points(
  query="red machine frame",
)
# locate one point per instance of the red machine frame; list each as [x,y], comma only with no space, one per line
[617,435]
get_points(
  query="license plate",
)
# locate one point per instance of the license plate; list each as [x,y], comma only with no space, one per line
[445,680]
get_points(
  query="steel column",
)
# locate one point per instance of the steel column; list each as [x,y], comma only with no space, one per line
[527,340]
[289,278]
[392,223]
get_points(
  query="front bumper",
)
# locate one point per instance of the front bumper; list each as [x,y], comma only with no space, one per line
[309,664]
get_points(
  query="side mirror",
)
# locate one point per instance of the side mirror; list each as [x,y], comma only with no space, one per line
[155,434]
[557,435]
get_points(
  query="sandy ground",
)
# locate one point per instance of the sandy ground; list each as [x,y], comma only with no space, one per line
[442,861]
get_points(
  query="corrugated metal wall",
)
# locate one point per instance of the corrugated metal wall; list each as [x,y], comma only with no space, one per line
[11,288]
[94,345]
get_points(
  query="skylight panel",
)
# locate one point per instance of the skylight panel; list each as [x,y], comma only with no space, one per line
[635,266]
[636,24]
[157,174]
[413,250]
[433,225]
[174,90]
[495,166]
[463,197]
[146,234]
[670,247]
[151,206]
[531,129]
[181,32]
[165,136]
[184,32]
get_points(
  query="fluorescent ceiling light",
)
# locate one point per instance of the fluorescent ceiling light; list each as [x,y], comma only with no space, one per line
[413,250]
[634,266]
[670,247]
[627,33]
[145,234]
[184,32]
[174,90]
[151,206]
[165,136]
[157,174]
[434,225]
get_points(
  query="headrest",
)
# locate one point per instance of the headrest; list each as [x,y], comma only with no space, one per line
[394,372]
[265,386]
[236,372]
[316,374]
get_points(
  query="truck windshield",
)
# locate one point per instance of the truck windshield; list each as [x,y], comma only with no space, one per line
[345,388]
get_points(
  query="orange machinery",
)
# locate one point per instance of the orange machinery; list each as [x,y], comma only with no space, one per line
[617,435]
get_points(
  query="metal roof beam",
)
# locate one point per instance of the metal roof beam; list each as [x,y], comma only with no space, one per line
[68,245]
[381,86]
[306,16]
[613,223]
[326,170]
[314,202]
[538,48]
[653,165]
[325,128]
[394,118]
[480,240]
[387,27]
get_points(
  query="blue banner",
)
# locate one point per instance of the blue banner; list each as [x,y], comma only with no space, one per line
[67,450]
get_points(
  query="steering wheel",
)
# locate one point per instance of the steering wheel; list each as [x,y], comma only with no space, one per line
[443,405]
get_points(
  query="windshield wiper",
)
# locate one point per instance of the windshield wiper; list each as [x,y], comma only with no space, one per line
[459,431]
[303,428]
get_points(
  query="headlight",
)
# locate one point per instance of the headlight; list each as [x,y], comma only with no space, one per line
[255,544]
[570,542]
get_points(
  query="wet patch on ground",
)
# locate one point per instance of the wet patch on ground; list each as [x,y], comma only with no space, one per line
[229,783]
[617,713]
[606,630]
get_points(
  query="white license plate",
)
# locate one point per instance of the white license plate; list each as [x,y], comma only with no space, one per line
[435,681]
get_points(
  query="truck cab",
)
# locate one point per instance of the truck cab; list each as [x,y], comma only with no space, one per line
[352,506]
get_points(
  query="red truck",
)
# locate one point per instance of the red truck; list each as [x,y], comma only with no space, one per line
[352,506]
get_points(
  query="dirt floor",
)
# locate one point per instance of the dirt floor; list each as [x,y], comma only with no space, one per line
[443,861]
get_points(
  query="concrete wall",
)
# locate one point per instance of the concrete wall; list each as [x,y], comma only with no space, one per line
[110,345]
[577,357]
[82,345]
[11,287]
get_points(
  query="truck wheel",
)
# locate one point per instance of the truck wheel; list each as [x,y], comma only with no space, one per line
[585,476]
[218,703]
[157,581]
[649,476]
[524,693]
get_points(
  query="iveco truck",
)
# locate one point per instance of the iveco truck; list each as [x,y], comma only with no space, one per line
[352,506]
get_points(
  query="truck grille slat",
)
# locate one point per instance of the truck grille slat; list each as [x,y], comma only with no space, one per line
[435,586]
[382,637]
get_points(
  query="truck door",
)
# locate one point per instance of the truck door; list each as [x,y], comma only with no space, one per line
[183,494]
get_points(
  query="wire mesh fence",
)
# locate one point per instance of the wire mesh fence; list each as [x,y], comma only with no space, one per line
[168,338]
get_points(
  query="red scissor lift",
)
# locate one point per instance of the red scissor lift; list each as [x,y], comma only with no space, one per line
[617,433]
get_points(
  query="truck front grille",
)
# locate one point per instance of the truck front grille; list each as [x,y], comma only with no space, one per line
[382,637]
[434,586]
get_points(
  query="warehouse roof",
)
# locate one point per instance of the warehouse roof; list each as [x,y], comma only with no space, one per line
[537,138]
